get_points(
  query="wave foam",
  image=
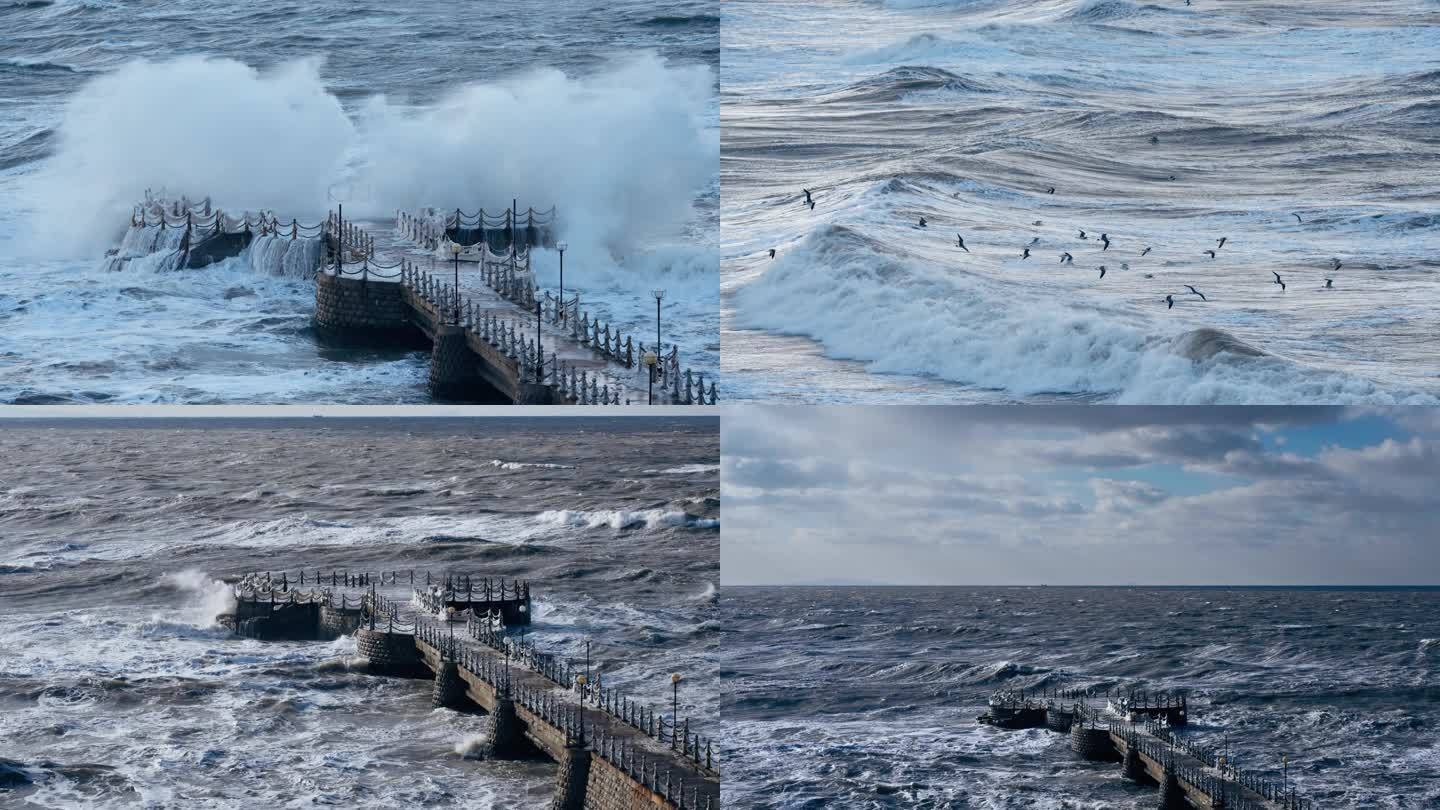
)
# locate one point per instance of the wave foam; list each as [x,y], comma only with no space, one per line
[624,519]
[901,316]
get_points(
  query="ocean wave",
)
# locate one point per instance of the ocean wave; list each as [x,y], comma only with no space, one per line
[42,65]
[897,314]
[898,82]
[688,469]
[682,20]
[527,465]
[625,519]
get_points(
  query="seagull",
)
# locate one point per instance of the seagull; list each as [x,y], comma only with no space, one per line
[1083,236]
[1146,250]
[1278,280]
[1026,254]
[1038,222]
[1051,190]
[1197,292]
[1154,139]
[1106,239]
[1035,241]
[807,194]
[1102,271]
[1222,242]
[1169,302]
[1297,218]
[1329,283]
[772,253]
[922,222]
[812,205]
[1211,252]
[1334,264]
[1066,257]
[959,240]
[1124,265]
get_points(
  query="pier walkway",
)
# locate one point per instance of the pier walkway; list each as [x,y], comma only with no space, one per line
[1138,730]
[614,753]
[495,337]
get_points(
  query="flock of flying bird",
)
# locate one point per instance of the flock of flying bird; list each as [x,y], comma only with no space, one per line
[1066,258]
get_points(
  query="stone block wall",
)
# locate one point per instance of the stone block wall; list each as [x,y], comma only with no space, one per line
[608,788]
[1093,744]
[335,622]
[353,308]
[392,654]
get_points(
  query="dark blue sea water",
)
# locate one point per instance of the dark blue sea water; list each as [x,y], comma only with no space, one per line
[868,697]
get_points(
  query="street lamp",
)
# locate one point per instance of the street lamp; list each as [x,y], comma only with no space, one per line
[674,699]
[659,296]
[650,360]
[455,251]
[539,350]
[562,245]
[580,681]
[587,658]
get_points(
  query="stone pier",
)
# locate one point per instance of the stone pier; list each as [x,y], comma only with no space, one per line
[1138,730]
[494,335]
[612,752]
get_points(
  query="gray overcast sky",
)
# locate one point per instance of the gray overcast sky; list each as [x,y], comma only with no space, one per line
[1080,495]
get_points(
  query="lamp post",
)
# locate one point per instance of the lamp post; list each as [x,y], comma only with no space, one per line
[674,701]
[562,246]
[455,251]
[650,360]
[587,659]
[659,296]
[539,350]
[580,681]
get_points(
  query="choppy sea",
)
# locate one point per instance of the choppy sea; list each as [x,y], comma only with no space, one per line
[1165,126]
[117,689]
[608,111]
[868,697]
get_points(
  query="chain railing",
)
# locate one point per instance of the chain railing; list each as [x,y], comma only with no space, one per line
[640,764]
[1217,776]
[676,735]
[500,272]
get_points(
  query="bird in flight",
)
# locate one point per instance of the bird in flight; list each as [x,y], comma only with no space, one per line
[1197,292]
[1222,241]
[1211,252]
[1278,280]
[959,240]
[1146,250]
[1066,257]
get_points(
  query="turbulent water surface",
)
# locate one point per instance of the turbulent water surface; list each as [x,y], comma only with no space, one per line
[1163,125]
[117,689]
[607,110]
[868,697]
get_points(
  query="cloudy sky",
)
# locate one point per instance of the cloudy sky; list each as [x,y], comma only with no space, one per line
[1080,495]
